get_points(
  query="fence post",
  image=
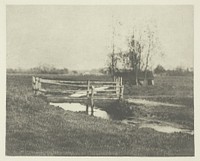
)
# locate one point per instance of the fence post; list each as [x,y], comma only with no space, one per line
[87,108]
[117,87]
[92,110]
[36,85]
[121,92]
[39,85]
[88,89]
[91,97]
[114,78]
[33,84]
[120,81]
[121,89]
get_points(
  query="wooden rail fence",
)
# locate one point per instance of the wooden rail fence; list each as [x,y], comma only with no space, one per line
[79,89]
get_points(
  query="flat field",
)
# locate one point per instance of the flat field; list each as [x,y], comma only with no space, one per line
[34,128]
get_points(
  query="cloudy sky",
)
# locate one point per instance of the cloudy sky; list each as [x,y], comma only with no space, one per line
[80,37]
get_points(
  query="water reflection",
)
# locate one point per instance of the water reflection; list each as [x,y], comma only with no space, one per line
[77,107]
[160,126]
[166,128]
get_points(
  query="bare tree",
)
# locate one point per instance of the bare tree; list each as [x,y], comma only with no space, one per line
[143,44]
[152,47]
[113,57]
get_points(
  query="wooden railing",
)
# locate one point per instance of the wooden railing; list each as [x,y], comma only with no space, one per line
[88,89]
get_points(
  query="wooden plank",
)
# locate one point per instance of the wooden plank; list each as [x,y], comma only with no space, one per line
[105,98]
[48,81]
[42,80]
[105,94]
[66,90]
[75,82]
[59,92]
[109,91]
[61,81]
[108,86]
[63,99]
[101,82]
[61,84]
[43,90]
[104,91]
[84,82]
[97,98]
[74,85]
[91,82]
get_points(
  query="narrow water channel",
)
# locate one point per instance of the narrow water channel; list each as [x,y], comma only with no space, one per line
[77,107]
[140,123]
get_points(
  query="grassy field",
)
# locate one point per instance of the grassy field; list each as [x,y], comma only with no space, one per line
[35,128]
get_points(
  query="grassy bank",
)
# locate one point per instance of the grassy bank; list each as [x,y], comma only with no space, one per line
[35,128]
[183,115]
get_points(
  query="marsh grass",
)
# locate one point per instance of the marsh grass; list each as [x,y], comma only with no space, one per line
[34,128]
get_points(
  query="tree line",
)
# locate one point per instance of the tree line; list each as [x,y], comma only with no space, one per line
[178,71]
[42,69]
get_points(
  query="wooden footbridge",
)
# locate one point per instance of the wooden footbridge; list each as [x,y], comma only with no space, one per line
[77,91]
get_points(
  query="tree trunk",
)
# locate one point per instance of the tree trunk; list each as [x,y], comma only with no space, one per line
[136,78]
[136,75]
[146,67]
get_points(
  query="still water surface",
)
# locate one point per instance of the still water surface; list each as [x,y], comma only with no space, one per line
[77,107]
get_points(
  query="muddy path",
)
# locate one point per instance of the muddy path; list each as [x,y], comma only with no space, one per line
[145,102]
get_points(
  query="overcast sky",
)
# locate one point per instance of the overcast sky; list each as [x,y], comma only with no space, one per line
[80,37]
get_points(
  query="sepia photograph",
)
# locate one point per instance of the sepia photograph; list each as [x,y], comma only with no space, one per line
[100,80]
